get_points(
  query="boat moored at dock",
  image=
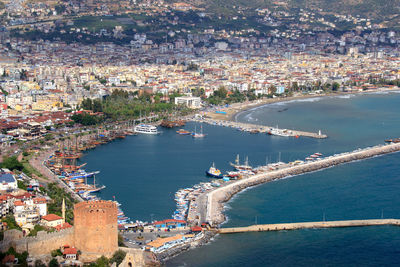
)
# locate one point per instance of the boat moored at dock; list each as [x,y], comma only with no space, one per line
[214,172]
[146,129]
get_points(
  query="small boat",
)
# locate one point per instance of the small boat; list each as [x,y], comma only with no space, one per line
[183,132]
[214,172]
[198,135]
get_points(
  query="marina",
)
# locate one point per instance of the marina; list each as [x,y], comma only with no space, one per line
[217,197]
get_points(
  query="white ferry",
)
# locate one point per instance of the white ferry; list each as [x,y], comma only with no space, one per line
[280,132]
[146,129]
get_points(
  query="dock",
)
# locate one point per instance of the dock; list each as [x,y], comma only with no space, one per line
[308,225]
[248,127]
[214,202]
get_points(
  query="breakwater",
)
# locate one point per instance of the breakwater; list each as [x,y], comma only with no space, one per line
[254,128]
[216,198]
[308,225]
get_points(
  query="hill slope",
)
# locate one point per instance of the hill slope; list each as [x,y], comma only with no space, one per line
[365,8]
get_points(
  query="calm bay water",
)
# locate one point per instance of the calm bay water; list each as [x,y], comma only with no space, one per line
[143,172]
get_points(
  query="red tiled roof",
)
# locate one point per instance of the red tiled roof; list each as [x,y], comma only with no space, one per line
[69,251]
[51,217]
[63,226]
[18,203]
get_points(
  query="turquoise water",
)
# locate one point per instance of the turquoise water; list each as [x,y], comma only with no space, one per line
[143,172]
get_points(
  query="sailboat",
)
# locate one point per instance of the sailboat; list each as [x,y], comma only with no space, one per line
[198,135]
[239,167]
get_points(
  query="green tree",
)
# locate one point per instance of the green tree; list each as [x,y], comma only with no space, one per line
[87,104]
[12,163]
[11,224]
[39,263]
[102,262]
[53,263]
[118,257]
[221,92]
[97,106]
[56,252]
[335,86]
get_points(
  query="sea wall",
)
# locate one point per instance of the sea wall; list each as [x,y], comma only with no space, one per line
[309,225]
[218,197]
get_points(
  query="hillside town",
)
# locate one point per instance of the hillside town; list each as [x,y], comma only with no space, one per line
[78,74]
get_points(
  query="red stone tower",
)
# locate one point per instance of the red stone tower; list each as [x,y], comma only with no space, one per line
[96,227]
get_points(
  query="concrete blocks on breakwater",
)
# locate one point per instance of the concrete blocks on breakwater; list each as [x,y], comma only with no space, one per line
[308,225]
[216,198]
[248,127]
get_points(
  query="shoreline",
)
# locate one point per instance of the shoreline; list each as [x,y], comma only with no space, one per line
[236,108]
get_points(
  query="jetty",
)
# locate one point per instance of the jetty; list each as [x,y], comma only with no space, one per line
[213,203]
[308,225]
[255,128]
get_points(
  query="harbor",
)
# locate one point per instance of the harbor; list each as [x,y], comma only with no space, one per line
[191,202]
[214,202]
[254,128]
[62,165]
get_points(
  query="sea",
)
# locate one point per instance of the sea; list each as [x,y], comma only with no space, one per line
[143,173]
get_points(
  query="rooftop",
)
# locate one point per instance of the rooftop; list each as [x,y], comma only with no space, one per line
[51,217]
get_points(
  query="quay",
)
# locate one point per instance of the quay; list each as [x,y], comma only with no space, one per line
[213,204]
[308,225]
[248,127]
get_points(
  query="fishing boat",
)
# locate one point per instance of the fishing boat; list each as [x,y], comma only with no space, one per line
[198,135]
[183,132]
[146,129]
[238,166]
[214,172]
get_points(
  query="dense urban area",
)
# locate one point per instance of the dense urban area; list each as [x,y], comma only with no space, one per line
[78,74]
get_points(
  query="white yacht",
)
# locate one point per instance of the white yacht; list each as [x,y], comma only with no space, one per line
[146,129]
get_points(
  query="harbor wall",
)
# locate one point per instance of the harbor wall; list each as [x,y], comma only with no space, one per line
[308,225]
[217,198]
[259,128]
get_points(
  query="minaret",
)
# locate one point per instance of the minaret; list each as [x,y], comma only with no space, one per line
[63,210]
